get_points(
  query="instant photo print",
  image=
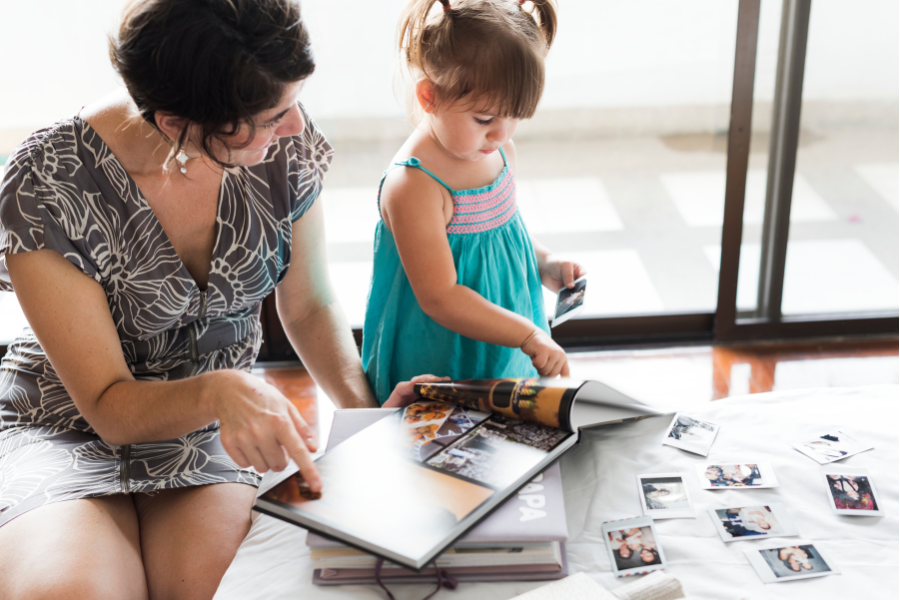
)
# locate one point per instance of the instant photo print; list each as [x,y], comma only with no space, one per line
[753,522]
[691,434]
[569,302]
[633,546]
[664,496]
[784,562]
[851,492]
[727,475]
[832,446]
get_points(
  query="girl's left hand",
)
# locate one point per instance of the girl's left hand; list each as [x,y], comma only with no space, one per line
[405,394]
[557,273]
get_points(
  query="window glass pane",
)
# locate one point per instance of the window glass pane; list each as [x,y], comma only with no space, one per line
[622,168]
[844,255]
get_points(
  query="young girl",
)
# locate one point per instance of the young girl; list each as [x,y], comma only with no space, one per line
[456,288]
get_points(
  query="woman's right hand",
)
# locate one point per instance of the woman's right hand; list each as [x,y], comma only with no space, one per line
[546,355]
[259,427]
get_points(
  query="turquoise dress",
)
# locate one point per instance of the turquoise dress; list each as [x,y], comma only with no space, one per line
[493,255]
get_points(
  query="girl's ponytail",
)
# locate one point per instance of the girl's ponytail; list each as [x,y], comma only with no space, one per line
[489,51]
[412,30]
[544,12]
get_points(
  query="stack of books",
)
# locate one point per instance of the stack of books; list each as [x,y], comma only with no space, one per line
[463,480]
[523,539]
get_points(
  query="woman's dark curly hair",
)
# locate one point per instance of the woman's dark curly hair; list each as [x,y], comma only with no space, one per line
[216,63]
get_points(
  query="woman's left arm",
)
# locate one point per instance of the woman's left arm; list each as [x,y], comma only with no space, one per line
[313,318]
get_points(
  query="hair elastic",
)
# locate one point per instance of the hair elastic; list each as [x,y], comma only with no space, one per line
[445,4]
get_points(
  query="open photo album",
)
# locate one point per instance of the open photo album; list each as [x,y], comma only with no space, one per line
[407,486]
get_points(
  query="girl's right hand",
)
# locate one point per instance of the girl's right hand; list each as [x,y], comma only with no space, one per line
[546,355]
[259,427]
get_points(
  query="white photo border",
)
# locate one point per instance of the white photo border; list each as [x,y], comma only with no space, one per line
[827,470]
[637,522]
[781,514]
[666,513]
[765,572]
[822,460]
[765,470]
[689,446]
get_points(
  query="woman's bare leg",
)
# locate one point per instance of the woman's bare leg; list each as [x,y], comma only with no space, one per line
[189,537]
[74,549]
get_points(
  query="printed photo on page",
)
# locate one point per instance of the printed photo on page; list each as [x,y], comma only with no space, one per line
[633,546]
[664,496]
[753,522]
[723,475]
[832,446]
[569,302]
[782,562]
[691,434]
[851,492]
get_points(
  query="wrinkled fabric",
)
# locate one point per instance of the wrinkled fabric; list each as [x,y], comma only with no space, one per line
[599,481]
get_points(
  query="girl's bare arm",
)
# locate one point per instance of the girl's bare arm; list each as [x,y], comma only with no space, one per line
[413,205]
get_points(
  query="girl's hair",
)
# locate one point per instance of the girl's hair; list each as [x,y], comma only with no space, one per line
[216,63]
[489,51]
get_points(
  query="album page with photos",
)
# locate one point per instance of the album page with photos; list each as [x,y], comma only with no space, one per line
[561,403]
[405,487]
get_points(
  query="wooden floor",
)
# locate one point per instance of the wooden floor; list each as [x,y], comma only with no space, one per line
[680,377]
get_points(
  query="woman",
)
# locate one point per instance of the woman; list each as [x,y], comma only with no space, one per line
[184,201]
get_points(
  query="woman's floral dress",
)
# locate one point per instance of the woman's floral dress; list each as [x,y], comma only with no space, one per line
[64,190]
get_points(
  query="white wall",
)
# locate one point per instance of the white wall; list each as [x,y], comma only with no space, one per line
[609,54]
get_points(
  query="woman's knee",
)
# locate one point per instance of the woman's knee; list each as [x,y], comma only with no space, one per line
[81,585]
[87,548]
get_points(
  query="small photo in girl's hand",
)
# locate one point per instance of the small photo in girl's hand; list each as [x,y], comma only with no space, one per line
[832,446]
[851,492]
[664,496]
[569,302]
[753,522]
[633,547]
[732,475]
[775,564]
[691,434]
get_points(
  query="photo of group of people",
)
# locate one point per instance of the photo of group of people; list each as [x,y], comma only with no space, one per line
[753,522]
[733,475]
[786,563]
[691,434]
[632,546]
[664,496]
[831,446]
[852,492]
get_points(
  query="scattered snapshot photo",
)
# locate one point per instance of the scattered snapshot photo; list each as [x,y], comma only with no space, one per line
[633,547]
[851,492]
[753,522]
[733,475]
[691,434]
[832,446]
[664,496]
[569,302]
[786,563]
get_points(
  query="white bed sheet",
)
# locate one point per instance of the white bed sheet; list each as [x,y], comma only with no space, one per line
[273,563]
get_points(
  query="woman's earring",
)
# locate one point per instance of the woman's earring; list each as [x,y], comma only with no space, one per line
[182,158]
